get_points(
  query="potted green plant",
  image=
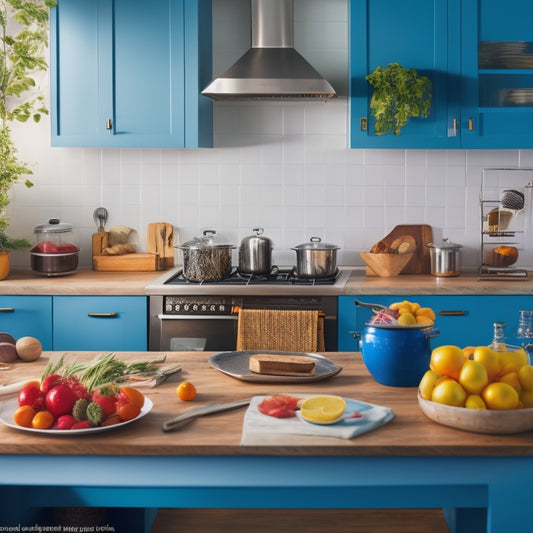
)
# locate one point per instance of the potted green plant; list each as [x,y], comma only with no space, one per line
[23,40]
[399,94]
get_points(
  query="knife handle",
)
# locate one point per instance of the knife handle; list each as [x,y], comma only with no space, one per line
[172,425]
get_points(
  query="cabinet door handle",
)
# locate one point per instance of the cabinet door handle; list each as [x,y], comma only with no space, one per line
[103,315]
[454,127]
[109,124]
[470,124]
[452,313]
[7,310]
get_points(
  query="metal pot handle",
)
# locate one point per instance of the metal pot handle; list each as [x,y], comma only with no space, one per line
[433,333]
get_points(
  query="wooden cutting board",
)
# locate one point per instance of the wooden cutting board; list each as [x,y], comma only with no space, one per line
[423,234]
[160,241]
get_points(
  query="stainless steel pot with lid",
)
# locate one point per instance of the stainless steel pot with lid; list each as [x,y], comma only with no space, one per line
[255,253]
[445,258]
[315,259]
[206,258]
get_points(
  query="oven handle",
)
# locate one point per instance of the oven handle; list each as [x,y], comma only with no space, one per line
[197,317]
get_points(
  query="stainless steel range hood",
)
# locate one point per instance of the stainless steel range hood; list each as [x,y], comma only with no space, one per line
[271,68]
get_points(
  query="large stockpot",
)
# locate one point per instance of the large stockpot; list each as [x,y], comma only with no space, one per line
[397,356]
[316,259]
[206,258]
[445,258]
[255,254]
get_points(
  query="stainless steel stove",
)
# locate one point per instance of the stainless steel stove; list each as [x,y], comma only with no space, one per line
[188,316]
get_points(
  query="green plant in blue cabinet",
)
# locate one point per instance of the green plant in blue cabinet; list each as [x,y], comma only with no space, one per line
[399,94]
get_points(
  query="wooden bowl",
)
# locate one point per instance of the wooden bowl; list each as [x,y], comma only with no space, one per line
[386,265]
[478,421]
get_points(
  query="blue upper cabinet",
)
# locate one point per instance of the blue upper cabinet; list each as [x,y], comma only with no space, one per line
[497,80]
[478,55]
[128,73]
[416,35]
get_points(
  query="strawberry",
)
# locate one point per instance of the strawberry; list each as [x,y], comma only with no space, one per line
[84,424]
[106,398]
[60,400]
[65,422]
[30,394]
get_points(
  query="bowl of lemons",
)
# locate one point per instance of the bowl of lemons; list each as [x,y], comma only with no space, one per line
[479,389]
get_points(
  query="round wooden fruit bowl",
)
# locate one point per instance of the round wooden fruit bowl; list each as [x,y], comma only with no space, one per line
[386,265]
[478,421]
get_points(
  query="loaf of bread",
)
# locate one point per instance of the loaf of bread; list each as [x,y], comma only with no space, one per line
[285,365]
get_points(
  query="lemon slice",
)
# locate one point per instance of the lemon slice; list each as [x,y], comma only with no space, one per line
[322,408]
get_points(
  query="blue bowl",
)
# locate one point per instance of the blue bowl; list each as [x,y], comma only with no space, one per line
[397,356]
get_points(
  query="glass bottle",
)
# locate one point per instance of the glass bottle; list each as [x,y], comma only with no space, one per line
[498,340]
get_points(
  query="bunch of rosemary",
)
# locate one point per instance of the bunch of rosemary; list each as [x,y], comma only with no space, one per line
[102,370]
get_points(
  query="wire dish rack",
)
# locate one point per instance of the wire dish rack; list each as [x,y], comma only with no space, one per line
[505,206]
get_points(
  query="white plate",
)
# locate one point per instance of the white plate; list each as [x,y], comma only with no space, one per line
[7,410]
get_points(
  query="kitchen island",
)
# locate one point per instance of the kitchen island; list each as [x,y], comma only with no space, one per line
[411,462]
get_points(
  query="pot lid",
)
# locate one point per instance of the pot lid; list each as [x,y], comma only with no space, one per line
[54,226]
[444,245]
[315,243]
[208,240]
[257,237]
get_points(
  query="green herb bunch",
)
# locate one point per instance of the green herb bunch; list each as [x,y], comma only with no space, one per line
[399,94]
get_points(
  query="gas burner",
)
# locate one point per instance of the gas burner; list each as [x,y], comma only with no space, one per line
[276,276]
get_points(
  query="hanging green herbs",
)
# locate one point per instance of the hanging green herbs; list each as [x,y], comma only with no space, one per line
[399,94]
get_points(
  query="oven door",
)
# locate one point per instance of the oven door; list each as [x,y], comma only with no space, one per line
[195,333]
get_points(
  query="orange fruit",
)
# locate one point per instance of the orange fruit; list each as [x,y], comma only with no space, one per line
[447,360]
[186,391]
[24,415]
[43,420]
[128,411]
[133,395]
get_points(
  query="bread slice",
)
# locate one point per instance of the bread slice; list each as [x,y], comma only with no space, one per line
[283,365]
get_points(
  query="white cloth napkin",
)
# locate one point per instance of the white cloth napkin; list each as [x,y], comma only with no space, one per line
[261,429]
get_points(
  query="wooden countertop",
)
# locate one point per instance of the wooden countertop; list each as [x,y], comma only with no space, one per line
[409,434]
[414,284]
[79,282]
[89,282]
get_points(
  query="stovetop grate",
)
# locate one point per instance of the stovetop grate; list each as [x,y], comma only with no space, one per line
[275,277]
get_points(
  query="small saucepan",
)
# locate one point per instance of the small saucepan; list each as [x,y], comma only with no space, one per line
[316,259]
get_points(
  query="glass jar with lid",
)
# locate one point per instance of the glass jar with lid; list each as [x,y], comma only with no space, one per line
[55,251]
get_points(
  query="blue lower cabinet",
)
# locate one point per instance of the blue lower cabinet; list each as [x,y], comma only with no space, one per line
[460,320]
[23,316]
[106,323]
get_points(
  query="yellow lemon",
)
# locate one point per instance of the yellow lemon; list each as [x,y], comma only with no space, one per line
[500,396]
[526,398]
[449,392]
[447,360]
[475,401]
[427,384]
[512,361]
[406,319]
[525,375]
[426,311]
[415,307]
[473,377]
[489,359]
[511,378]
[322,408]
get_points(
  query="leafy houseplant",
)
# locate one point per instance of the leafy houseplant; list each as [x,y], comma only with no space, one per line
[23,40]
[399,94]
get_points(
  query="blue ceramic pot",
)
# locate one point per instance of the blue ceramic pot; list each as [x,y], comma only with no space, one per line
[397,356]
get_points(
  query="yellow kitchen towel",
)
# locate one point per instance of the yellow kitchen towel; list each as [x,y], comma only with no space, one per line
[280,330]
